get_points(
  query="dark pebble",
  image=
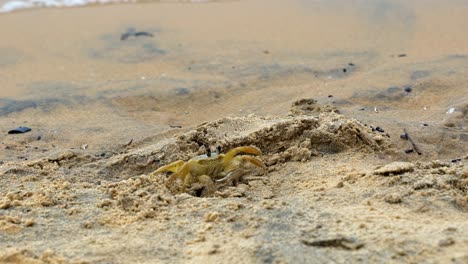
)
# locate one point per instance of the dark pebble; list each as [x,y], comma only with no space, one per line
[125,36]
[379,129]
[456,160]
[344,70]
[39,138]
[19,130]
[143,33]
[401,55]
[351,64]
[409,151]
[182,90]
[425,124]
[128,34]
[408,89]
[330,96]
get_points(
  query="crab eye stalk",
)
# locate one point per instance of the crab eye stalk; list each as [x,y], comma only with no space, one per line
[208,151]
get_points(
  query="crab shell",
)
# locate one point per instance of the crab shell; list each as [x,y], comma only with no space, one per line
[206,169]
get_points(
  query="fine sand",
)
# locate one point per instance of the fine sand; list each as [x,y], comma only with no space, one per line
[360,111]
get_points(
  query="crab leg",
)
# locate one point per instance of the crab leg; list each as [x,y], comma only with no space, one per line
[183,173]
[233,175]
[174,167]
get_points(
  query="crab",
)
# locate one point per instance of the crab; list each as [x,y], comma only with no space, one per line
[201,172]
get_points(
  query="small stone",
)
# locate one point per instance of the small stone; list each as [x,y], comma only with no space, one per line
[5,205]
[214,249]
[393,198]
[211,217]
[88,225]
[446,242]
[394,168]
[340,184]
[338,242]
[379,129]
[423,184]
[451,229]
[268,204]
[29,222]
[19,130]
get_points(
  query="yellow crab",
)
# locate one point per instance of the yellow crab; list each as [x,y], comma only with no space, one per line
[202,171]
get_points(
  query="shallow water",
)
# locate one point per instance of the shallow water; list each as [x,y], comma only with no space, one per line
[68,74]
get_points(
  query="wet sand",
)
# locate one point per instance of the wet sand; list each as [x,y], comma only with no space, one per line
[225,73]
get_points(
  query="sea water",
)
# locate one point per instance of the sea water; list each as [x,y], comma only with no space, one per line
[12,5]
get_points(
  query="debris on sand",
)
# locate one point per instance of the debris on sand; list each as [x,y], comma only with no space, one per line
[406,136]
[133,33]
[339,242]
[19,130]
[394,168]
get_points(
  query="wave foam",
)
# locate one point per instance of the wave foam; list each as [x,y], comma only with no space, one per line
[13,5]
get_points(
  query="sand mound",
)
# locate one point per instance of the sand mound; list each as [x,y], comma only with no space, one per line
[309,130]
[28,257]
[425,184]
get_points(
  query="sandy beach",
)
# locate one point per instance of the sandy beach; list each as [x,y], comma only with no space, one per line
[359,109]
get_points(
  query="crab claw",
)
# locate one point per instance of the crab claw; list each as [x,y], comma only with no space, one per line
[255,161]
[237,173]
[233,152]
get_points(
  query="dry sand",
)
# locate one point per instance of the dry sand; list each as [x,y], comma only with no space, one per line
[105,113]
